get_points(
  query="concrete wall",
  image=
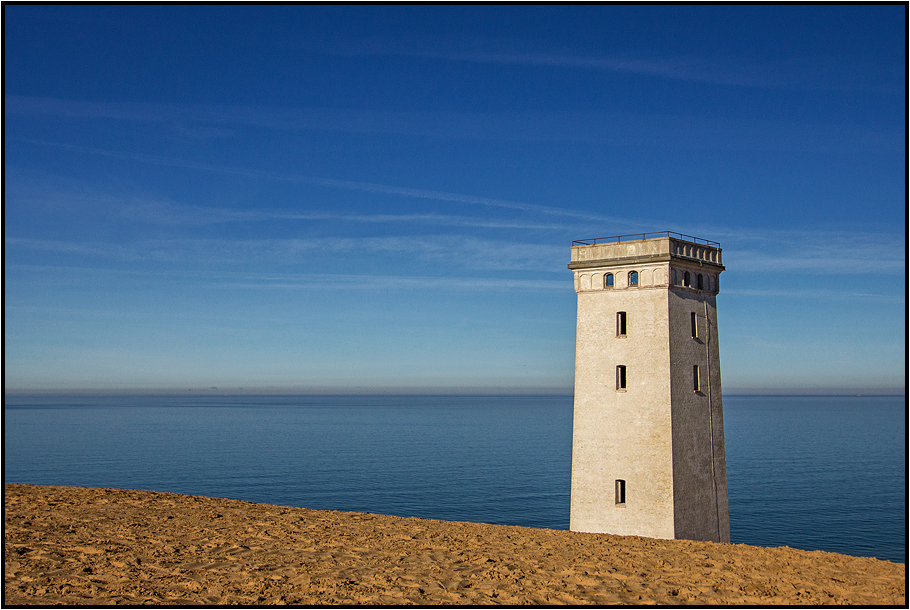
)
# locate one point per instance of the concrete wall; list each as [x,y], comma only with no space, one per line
[619,250]
[622,434]
[699,463]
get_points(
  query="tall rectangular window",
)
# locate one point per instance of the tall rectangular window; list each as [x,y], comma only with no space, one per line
[621,377]
[695,385]
[620,492]
[694,327]
[620,324]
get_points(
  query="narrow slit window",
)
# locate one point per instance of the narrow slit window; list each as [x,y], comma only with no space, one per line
[621,377]
[620,492]
[694,326]
[620,324]
[608,280]
[696,386]
[633,278]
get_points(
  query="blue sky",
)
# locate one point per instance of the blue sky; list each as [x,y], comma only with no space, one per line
[361,198]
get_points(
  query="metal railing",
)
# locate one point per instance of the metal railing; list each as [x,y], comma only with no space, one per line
[652,235]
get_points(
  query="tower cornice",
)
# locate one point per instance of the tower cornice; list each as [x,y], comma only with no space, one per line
[643,260]
[664,248]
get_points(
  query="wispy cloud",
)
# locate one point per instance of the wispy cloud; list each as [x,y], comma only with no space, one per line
[684,69]
[292,281]
[387,282]
[817,295]
[608,128]
[834,253]
[818,251]
[792,251]
[794,74]
[447,251]
[157,250]
[97,249]
[189,214]
[801,252]
[369,187]
[835,263]
[151,209]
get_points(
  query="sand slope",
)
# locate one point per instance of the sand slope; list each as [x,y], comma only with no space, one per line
[78,545]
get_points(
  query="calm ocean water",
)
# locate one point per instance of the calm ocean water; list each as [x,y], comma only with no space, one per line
[812,473]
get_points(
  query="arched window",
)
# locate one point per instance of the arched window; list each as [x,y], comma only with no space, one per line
[687,279]
[608,280]
[633,278]
[701,282]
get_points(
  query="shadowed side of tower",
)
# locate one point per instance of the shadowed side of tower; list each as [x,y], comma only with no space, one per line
[648,453]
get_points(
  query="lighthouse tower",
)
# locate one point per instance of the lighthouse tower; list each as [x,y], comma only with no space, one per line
[648,433]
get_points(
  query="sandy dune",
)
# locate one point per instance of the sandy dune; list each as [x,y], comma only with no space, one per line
[94,546]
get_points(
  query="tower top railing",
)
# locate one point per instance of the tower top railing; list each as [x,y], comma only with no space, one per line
[652,235]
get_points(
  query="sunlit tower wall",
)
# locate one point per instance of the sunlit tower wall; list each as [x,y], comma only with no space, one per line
[648,433]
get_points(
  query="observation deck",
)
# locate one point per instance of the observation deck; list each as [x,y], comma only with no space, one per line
[645,248]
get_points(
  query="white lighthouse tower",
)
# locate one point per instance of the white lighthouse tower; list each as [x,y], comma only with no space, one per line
[648,433]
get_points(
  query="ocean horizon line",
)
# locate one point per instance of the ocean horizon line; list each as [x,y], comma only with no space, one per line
[415,391]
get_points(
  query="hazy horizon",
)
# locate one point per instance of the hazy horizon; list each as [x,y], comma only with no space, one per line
[429,391]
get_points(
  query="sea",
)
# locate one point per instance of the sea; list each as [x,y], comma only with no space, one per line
[809,472]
